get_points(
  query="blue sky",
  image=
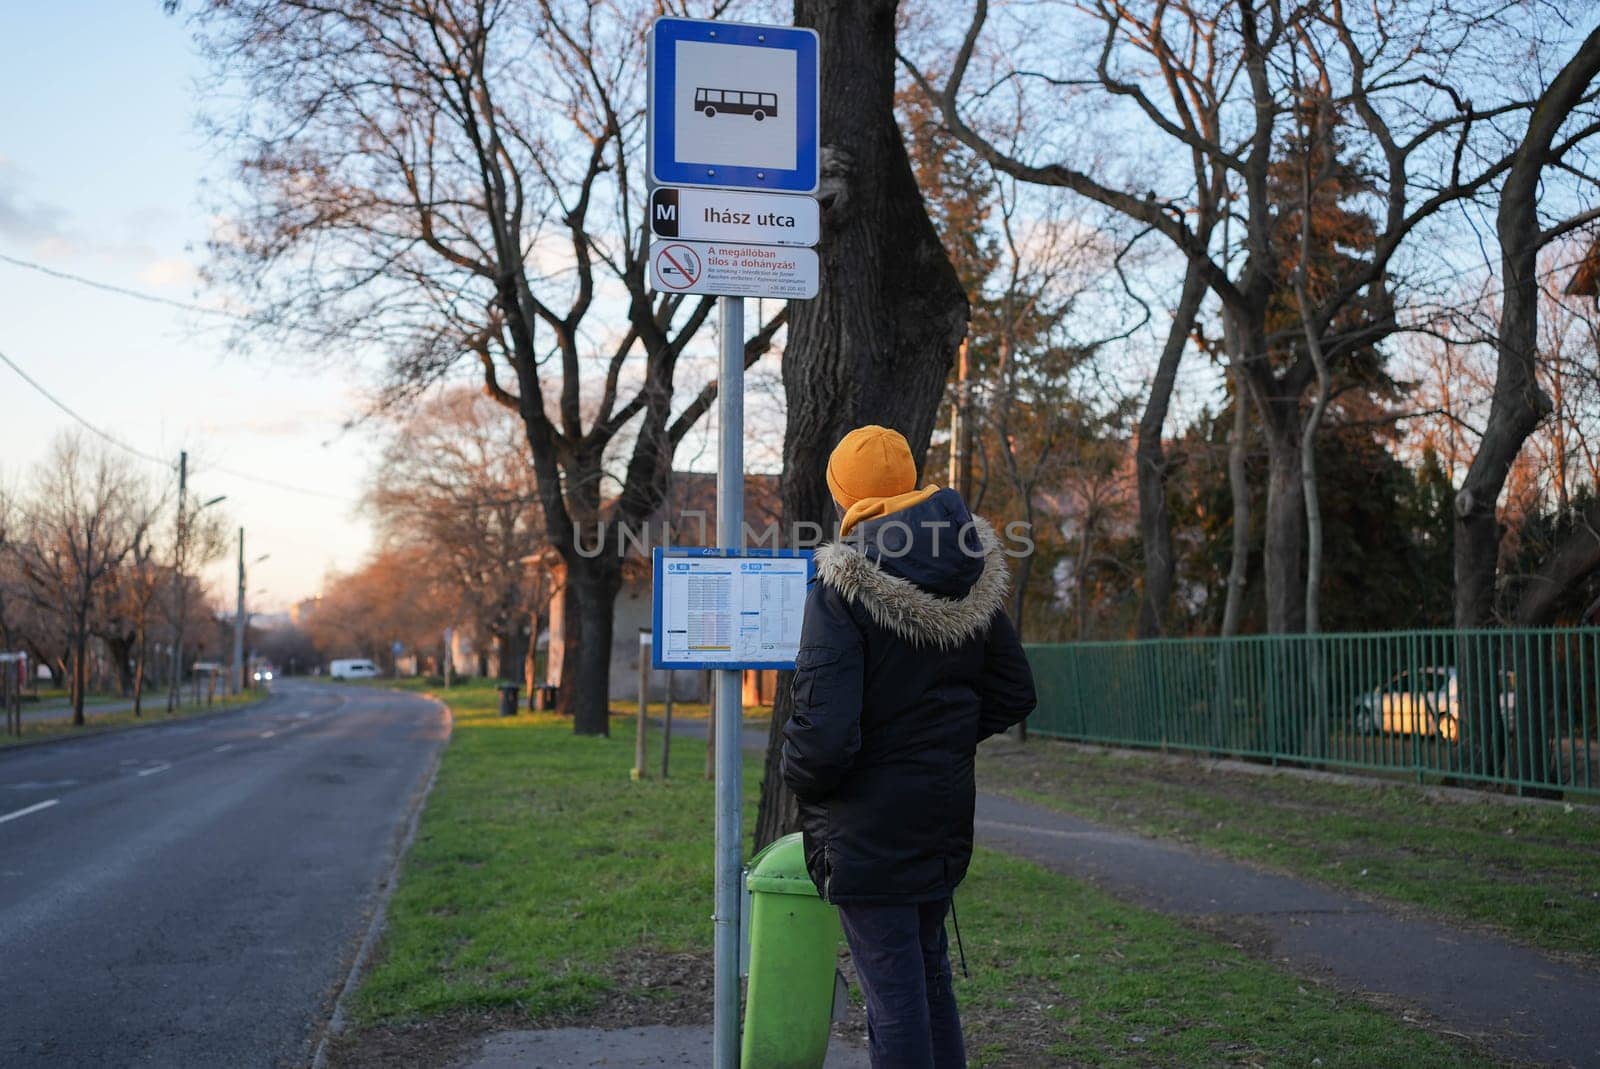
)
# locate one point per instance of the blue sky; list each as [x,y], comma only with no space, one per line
[103,174]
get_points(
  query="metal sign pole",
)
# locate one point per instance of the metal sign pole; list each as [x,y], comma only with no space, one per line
[730,526]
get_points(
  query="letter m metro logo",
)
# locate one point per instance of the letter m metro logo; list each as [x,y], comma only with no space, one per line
[664,212]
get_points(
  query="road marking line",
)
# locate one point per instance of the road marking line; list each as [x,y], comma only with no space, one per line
[30,809]
[224,746]
[268,734]
[152,771]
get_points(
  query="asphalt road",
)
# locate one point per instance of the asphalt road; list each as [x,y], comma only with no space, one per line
[192,895]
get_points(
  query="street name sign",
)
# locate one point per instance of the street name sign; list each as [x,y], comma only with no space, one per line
[727,215]
[724,609]
[733,106]
[734,269]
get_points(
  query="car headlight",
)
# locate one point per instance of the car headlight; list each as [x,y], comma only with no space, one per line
[269,677]
[258,677]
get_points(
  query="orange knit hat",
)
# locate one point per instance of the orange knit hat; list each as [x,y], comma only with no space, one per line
[870,461]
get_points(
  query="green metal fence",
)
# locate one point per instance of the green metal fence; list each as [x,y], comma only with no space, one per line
[1519,708]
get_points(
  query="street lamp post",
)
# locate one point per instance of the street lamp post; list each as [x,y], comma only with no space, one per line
[180,550]
[239,619]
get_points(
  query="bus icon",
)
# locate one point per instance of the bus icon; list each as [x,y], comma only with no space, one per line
[735,102]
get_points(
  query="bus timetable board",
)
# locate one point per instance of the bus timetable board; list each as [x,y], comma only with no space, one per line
[714,608]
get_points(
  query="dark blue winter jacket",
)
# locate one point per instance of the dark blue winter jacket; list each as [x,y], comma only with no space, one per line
[907,660]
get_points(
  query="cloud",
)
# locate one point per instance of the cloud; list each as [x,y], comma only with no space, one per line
[169,272]
[22,218]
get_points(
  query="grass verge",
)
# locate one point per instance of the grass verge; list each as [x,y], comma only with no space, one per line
[753,714]
[544,887]
[537,864]
[1529,871]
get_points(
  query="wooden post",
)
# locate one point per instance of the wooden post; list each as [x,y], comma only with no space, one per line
[639,770]
[961,428]
[666,729]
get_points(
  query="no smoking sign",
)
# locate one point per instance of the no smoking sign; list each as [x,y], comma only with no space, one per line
[676,266]
[734,269]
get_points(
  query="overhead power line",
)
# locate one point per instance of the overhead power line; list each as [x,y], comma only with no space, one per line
[112,439]
[124,291]
[261,480]
[63,406]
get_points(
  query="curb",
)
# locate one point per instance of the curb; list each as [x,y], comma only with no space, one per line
[380,910]
[118,729]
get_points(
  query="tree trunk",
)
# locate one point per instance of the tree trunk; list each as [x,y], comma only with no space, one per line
[1239,485]
[1081,570]
[1286,518]
[121,651]
[587,619]
[141,654]
[80,669]
[511,646]
[1155,520]
[877,343]
[1308,472]
[1019,594]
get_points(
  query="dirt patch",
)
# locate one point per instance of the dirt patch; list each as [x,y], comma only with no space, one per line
[671,989]
[651,987]
[1253,937]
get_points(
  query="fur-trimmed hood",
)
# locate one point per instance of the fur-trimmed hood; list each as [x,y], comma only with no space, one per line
[918,574]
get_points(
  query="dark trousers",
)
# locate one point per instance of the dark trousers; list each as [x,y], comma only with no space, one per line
[902,957]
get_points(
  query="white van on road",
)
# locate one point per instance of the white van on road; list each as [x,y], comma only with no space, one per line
[353,668]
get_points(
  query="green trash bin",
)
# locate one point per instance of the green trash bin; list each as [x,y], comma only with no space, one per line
[793,939]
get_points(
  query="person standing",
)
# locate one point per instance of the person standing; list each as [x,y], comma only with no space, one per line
[907,661]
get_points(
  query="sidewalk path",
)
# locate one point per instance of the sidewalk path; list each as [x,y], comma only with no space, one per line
[155,704]
[653,1046]
[62,710]
[1522,1003]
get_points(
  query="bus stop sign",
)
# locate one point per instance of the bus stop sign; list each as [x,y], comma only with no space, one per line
[733,106]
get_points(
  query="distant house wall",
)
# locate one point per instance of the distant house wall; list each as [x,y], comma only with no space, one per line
[760,687]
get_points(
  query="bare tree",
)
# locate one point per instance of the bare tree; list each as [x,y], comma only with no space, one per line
[446,179]
[125,609]
[1222,85]
[12,593]
[1239,489]
[84,516]
[1046,420]
[455,482]
[392,598]
[1561,123]
[1155,518]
